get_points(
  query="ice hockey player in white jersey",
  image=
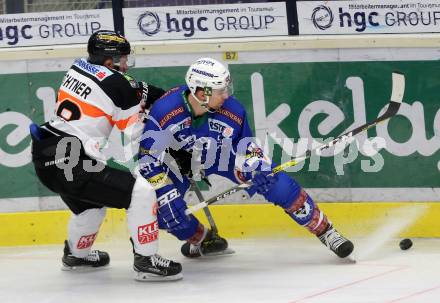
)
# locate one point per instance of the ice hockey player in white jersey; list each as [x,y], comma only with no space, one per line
[95,99]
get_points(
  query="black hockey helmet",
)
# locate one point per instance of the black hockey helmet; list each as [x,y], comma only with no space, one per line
[105,44]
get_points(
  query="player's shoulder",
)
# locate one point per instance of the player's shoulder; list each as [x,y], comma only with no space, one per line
[174,94]
[170,105]
[95,72]
[109,80]
[232,104]
[233,110]
[169,100]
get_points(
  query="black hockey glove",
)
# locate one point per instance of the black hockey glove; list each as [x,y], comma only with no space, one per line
[183,160]
[142,93]
[148,94]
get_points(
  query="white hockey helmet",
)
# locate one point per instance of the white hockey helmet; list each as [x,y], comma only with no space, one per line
[209,75]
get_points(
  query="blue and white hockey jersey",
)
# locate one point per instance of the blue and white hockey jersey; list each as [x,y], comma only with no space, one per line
[218,136]
[223,137]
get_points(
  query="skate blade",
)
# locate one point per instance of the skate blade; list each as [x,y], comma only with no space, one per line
[227,251]
[83,268]
[149,277]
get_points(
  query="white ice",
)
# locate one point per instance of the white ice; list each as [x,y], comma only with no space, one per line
[262,270]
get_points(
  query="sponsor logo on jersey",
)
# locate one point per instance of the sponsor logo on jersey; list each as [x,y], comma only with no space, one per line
[185,123]
[230,115]
[228,132]
[220,127]
[91,69]
[148,233]
[101,75]
[217,125]
[86,241]
[170,115]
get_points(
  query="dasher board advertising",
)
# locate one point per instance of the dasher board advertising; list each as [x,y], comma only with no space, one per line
[214,21]
[368,17]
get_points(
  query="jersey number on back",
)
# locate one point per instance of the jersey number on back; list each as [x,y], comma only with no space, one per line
[68,110]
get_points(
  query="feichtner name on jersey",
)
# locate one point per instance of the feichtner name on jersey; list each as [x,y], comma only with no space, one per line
[78,87]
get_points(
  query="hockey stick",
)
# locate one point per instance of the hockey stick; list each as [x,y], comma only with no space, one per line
[208,214]
[398,89]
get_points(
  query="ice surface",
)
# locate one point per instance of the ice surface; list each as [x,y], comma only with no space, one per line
[262,270]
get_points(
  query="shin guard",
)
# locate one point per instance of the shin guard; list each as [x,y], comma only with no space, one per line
[306,213]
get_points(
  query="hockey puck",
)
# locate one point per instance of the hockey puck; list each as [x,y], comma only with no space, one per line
[405,244]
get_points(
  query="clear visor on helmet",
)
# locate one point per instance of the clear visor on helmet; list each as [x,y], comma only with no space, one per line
[226,91]
[124,61]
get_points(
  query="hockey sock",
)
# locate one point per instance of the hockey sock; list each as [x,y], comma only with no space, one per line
[306,213]
[142,220]
[83,229]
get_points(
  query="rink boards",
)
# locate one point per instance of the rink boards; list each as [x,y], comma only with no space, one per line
[237,221]
[300,87]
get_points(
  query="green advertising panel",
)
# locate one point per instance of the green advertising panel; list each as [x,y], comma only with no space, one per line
[286,100]
[356,91]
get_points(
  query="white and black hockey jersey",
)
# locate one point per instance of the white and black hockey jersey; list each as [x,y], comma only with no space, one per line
[93,100]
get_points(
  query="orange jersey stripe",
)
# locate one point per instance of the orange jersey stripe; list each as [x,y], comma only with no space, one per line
[123,124]
[95,112]
[86,109]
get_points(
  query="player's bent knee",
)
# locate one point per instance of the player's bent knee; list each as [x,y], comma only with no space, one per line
[89,216]
[188,232]
[285,190]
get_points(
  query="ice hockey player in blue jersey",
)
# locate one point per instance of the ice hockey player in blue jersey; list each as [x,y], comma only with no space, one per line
[204,117]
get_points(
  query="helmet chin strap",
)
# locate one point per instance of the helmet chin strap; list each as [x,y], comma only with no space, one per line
[204,104]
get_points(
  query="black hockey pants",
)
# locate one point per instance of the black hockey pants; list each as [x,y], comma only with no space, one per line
[109,187]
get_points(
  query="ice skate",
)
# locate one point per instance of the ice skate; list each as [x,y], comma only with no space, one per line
[212,245]
[156,268]
[341,246]
[94,259]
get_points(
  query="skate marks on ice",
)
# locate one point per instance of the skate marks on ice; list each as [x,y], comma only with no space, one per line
[396,221]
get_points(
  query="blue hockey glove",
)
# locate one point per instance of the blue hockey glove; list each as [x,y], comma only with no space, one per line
[263,183]
[171,212]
